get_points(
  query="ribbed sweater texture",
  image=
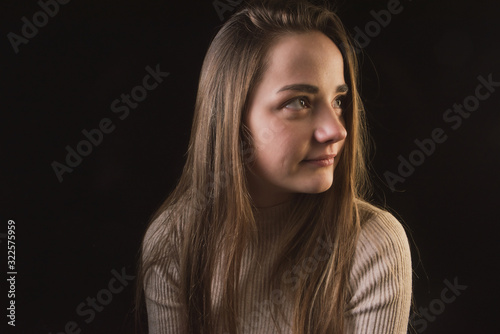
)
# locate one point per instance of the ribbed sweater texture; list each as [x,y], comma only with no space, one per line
[380,280]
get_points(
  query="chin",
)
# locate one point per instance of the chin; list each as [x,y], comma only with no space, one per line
[317,188]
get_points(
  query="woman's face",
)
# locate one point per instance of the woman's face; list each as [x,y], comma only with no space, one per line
[295,118]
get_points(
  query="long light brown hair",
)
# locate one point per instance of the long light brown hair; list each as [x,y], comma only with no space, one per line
[210,212]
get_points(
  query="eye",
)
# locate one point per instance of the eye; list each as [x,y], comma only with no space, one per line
[339,102]
[298,103]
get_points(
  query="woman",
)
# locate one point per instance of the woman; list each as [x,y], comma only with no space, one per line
[267,230]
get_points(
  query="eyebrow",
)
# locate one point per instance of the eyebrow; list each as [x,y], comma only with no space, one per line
[310,88]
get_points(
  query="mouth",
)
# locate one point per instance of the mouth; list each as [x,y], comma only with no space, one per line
[322,161]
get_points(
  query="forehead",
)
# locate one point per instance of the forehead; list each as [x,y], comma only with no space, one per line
[305,56]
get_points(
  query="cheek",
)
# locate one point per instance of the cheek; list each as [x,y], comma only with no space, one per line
[284,153]
[266,130]
[279,151]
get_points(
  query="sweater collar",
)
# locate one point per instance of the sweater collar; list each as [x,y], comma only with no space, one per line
[272,219]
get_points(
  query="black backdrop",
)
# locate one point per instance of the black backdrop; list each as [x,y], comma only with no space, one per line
[74,236]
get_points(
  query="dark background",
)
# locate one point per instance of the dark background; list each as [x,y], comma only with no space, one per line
[70,235]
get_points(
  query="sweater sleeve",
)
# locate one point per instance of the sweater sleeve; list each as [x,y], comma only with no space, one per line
[165,310]
[380,279]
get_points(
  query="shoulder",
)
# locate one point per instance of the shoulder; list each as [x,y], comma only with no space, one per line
[381,233]
[382,251]
[160,252]
[160,267]
[157,230]
[163,231]
[380,282]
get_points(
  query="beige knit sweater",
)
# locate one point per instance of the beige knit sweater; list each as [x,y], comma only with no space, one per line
[380,280]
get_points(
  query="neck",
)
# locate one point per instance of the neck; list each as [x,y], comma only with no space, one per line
[265,196]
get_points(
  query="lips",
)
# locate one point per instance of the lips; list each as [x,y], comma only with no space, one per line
[322,160]
[322,157]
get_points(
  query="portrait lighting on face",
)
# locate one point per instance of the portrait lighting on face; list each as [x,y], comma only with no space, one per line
[269,210]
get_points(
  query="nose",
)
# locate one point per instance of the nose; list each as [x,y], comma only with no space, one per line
[329,126]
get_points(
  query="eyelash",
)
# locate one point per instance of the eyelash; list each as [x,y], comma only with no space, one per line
[341,99]
[307,104]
